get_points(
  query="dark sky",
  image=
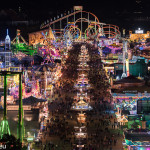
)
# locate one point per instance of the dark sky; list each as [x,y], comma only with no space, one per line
[108,11]
[102,7]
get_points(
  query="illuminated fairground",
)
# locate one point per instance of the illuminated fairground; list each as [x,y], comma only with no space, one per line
[76,74]
[81,102]
[76,26]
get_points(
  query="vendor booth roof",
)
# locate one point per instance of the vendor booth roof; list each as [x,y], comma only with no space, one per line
[31,100]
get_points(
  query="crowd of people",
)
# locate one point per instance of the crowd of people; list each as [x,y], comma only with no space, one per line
[102,131]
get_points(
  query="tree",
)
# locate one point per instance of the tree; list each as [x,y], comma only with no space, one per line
[135,125]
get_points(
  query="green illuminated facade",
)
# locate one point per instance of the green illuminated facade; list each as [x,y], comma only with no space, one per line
[22,47]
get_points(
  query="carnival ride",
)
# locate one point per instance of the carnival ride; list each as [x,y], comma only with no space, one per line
[4,124]
[29,88]
[127,104]
[71,32]
[49,49]
[59,34]
[49,52]
[80,25]
[19,44]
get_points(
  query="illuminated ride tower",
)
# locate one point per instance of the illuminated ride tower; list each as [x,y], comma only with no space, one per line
[16,40]
[7,42]
[125,61]
[4,129]
[7,52]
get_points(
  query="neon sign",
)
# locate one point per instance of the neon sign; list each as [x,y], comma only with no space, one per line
[139,31]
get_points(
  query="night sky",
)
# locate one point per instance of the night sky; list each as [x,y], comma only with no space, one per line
[103,8]
[118,12]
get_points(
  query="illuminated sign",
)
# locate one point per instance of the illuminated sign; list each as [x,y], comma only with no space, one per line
[139,31]
[30,139]
[78,8]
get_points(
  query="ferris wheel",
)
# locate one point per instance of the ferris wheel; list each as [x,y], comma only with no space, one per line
[92,31]
[71,33]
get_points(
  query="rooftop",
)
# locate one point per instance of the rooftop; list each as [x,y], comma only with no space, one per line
[138,135]
[132,89]
[129,79]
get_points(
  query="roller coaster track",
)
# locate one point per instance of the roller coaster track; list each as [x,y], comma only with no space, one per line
[47,25]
